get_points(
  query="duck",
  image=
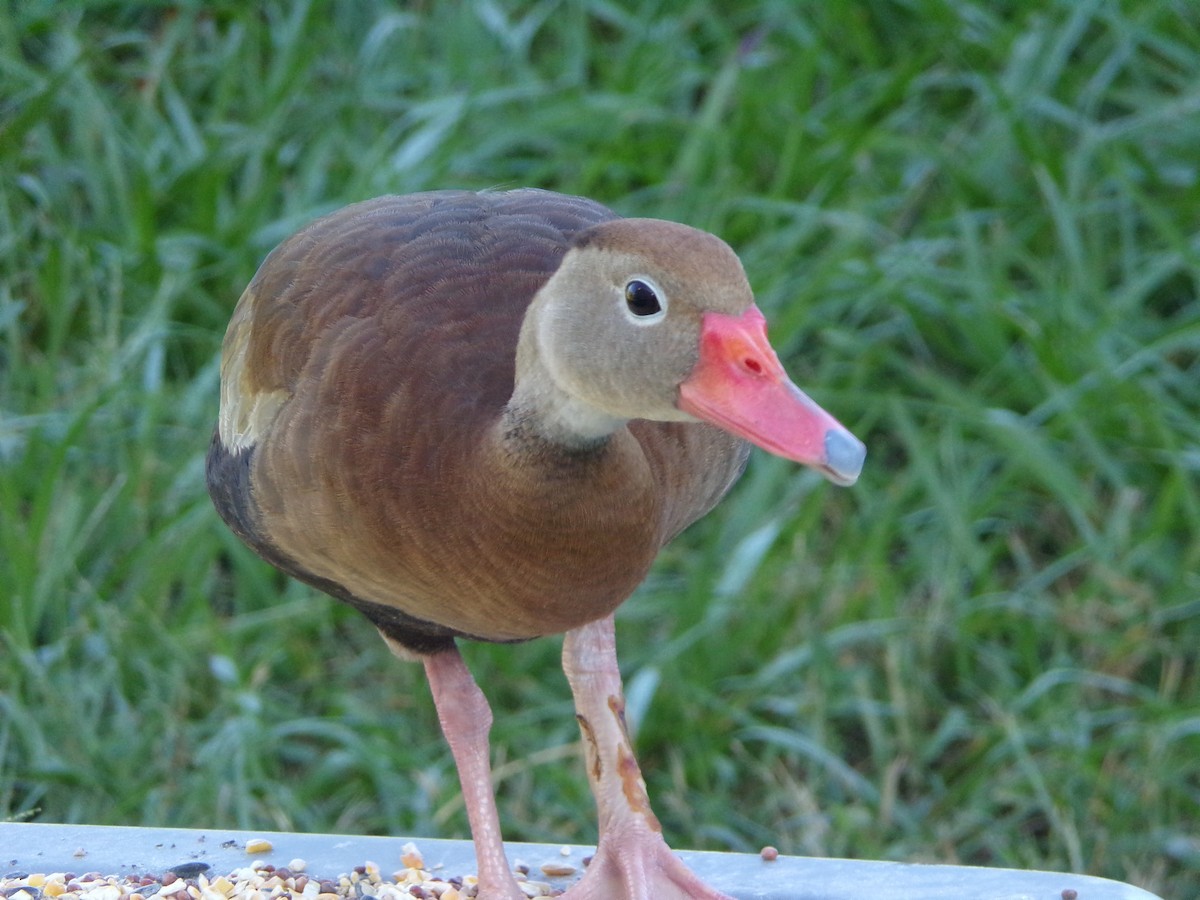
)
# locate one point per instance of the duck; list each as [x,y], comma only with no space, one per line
[479,416]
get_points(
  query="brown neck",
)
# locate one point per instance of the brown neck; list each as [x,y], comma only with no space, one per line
[580,525]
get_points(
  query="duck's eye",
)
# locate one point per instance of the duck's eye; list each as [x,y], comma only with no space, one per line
[642,299]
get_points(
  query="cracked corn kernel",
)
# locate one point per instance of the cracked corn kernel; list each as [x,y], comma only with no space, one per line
[411,857]
[259,845]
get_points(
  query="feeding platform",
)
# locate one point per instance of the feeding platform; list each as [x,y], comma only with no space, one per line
[127,855]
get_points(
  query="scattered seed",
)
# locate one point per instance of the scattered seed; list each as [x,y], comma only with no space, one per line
[259,845]
[1069,894]
[260,880]
[769,854]
[557,870]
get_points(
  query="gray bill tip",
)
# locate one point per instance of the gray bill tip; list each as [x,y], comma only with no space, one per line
[844,456]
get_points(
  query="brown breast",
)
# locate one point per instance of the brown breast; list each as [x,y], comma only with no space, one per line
[364,375]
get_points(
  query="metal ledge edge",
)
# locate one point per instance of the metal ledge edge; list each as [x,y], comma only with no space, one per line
[37,847]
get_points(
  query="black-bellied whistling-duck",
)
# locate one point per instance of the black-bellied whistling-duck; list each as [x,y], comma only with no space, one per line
[481,415]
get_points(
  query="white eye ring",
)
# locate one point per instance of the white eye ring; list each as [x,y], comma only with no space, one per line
[643,301]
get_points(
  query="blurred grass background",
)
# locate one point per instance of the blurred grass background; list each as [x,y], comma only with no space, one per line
[975,227]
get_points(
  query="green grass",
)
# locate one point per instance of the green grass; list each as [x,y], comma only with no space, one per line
[974,228]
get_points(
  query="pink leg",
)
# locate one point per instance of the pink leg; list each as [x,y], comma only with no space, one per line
[466,720]
[632,860]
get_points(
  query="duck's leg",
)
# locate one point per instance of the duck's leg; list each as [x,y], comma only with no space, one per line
[632,861]
[466,720]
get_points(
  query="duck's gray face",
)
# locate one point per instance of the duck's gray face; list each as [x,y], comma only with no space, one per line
[653,320]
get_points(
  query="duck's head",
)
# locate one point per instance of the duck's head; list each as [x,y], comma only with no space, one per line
[647,319]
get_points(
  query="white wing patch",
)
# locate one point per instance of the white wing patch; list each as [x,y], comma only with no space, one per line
[245,414]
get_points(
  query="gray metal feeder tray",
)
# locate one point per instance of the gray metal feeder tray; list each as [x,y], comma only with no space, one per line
[26,848]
